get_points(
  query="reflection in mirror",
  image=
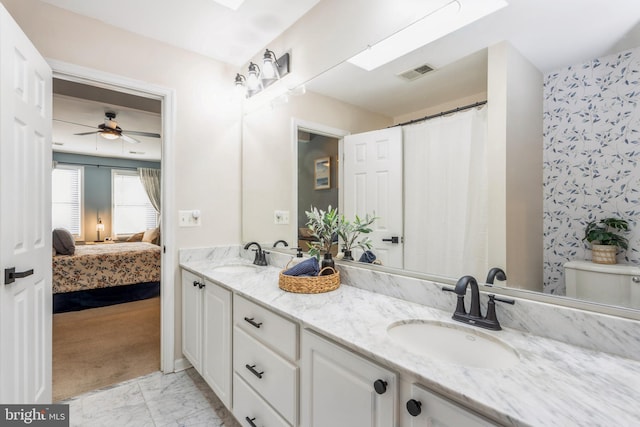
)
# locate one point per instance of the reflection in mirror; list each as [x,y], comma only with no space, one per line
[546,107]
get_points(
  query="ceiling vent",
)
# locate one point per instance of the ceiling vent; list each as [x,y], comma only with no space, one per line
[415,73]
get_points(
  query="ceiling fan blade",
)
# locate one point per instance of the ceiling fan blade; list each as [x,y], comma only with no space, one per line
[148,134]
[87,133]
[73,123]
[129,139]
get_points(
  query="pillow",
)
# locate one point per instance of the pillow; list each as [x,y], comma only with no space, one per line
[150,235]
[136,237]
[63,242]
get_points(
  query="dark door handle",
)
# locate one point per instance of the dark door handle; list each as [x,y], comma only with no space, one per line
[394,239]
[251,421]
[10,275]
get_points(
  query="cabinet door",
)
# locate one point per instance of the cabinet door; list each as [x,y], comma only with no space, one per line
[428,410]
[192,318]
[216,340]
[338,387]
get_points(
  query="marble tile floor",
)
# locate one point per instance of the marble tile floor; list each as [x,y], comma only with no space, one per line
[180,399]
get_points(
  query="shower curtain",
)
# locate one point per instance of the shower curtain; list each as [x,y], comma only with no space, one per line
[445,173]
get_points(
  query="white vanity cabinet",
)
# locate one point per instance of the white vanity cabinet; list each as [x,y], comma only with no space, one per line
[206,332]
[423,408]
[265,355]
[342,389]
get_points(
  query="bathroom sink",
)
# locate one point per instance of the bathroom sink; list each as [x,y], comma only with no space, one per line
[235,268]
[454,344]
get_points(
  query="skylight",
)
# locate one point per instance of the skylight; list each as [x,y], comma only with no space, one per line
[436,24]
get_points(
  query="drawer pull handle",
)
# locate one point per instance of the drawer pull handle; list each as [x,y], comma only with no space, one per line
[250,421]
[251,368]
[380,386]
[251,321]
[414,407]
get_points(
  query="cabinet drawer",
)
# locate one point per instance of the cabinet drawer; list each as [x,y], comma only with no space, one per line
[248,404]
[274,378]
[272,329]
[429,409]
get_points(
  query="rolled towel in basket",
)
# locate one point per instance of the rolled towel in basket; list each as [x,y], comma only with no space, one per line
[309,267]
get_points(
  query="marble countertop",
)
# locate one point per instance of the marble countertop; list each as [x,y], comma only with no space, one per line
[554,383]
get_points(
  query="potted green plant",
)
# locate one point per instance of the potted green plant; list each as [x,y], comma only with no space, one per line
[349,232]
[605,239]
[324,227]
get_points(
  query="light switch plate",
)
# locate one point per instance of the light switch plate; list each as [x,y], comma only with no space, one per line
[189,218]
[281,217]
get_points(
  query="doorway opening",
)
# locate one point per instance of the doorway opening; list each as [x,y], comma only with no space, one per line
[152,316]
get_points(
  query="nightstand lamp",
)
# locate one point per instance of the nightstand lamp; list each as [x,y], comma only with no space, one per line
[99,228]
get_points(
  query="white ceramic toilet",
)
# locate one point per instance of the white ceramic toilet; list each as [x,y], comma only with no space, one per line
[617,284]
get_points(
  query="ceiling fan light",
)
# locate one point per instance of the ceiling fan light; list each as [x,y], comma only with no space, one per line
[109,135]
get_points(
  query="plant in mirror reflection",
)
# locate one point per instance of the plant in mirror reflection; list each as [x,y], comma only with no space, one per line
[349,232]
[605,232]
[324,226]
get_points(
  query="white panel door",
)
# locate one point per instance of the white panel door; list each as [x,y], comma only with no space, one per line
[25,218]
[216,340]
[373,183]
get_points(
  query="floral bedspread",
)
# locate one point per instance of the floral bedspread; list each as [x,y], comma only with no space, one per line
[106,265]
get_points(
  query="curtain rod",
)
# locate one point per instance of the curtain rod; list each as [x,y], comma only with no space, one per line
[444,113]
[62,162]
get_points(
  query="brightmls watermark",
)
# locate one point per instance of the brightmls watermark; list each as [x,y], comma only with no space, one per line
[54,415]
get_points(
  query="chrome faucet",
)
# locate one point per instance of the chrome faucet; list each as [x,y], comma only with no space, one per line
[495,273]
[474,316]
[260,258]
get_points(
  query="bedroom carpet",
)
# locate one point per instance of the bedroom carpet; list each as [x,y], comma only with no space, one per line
[103,346]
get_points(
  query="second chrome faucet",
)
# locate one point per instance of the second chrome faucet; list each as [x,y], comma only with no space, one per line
[474,316]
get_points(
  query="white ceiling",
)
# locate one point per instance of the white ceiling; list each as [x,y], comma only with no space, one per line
[551,34]
[201,26]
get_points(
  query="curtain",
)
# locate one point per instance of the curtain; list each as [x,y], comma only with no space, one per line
[447,195]
[151,181]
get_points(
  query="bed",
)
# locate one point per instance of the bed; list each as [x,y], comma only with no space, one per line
[104,274]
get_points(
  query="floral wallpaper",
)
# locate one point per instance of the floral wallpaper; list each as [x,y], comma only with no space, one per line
[591,157]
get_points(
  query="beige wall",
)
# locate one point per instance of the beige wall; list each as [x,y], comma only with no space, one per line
[515,166]
[207,131]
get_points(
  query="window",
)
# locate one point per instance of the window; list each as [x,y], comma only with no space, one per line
[132,210]
[66,198]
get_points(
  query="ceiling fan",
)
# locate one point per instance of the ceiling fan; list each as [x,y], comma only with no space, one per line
[110,130]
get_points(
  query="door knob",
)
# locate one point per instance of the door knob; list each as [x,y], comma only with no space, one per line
[394,239]
[10,275]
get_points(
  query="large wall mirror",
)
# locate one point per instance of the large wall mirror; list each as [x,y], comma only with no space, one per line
[544,69]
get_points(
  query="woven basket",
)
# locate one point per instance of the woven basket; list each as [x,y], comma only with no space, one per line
[310,284]
[604,254]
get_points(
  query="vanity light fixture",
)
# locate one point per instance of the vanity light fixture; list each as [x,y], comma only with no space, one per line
[273,69]
[433,26]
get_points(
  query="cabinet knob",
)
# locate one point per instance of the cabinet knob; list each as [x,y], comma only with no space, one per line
[251,421]
[380,386]
[195,283]
[635,279]
[414,407]
[201,285]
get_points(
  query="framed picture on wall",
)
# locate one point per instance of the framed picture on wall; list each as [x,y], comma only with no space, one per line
[322,173]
